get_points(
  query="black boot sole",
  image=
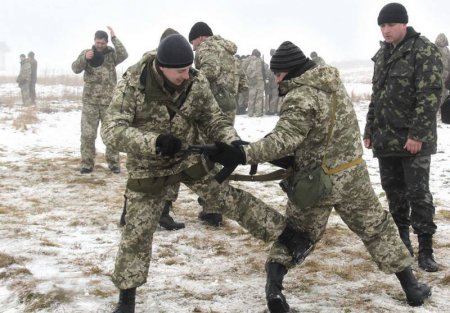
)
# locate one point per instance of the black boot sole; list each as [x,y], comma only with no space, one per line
[277,306]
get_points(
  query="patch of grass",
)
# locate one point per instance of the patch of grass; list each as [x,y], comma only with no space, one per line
[26,118]
[88,181]
[4,210]
[48,243]
[100,293]
[6,260]
[38,301]
[444,215]
[15,272]
[446,280]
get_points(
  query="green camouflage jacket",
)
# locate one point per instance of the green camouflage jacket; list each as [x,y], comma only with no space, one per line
[405,96]
[100,81]
[304,119]
[214,58]
[25,72]
[133,122]
[255,71]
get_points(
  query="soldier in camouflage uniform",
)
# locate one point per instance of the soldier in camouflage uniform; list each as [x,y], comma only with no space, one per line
[214,58]
[33,80]
[317,59]
[242,85]
[401,125]
[243,96]
[160,106]
[24,79]
[314,98]
[272,97]
[255,72]
[99,66]
[442,44]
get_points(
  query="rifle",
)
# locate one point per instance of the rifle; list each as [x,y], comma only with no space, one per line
[207,150]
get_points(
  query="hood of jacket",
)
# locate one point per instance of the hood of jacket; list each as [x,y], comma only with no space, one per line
[325,78]
[441,41]
[217,40]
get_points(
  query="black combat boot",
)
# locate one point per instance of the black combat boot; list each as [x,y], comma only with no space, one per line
[127,299]
[276,302]
[212,219]
[167,221]
[426,259]
[297,243]
[404,235]
[415,291]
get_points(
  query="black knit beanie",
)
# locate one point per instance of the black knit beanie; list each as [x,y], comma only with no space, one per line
[393,13]
[287,57]
[174,51]
[199,29]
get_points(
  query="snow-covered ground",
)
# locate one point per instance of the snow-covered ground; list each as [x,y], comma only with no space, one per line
[59,230]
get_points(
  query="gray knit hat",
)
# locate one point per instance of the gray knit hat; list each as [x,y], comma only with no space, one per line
[287,57]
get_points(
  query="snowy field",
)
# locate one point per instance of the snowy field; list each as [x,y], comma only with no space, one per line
[59,229]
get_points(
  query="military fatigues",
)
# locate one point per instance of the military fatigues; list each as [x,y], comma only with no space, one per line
[33,80]
[303,127]
[255,75]
[442,44]
[99,83]
[243,95]
[242,85]
[405,99]
[23,80]
[215,59]
[136,117]
[273,98]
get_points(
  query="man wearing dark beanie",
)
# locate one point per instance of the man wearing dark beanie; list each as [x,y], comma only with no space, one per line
[401,126]
[161,106]
[319,127]
[215,59]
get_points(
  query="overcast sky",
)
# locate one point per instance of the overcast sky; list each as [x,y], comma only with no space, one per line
[58,30]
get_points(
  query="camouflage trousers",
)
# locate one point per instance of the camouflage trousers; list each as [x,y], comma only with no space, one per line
[91,116]
[25,91]
[144,210]
[242,102]
[255,101]
[406,183]
[355,201]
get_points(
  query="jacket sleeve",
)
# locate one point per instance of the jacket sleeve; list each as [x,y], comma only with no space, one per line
[428,85]
[117,130]
[207,62]
[369,121]
[296,118]
[80,63]
[121,52]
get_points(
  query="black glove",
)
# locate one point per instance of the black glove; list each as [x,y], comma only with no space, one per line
[228,155]
[284,162]
[167,145]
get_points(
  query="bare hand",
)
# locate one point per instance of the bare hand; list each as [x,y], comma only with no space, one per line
[111,31]
[89,55]
[413,146]
[367,143]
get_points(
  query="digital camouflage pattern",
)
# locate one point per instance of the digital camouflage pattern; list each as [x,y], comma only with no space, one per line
[273,98]
[214,58]
[99,84]
[406,183]
[132,125]
[34,65]
[254,69]
[302,129]
[24,80]
[442,44]
[405,99]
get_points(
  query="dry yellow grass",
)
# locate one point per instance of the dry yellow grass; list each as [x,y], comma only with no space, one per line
[6,260]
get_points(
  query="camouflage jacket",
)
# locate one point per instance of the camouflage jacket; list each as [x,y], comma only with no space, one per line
[215,59]
[100,81]
[255,71]
[242,82]
[25,73]
[305,116]
[133,122]
[405,96]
